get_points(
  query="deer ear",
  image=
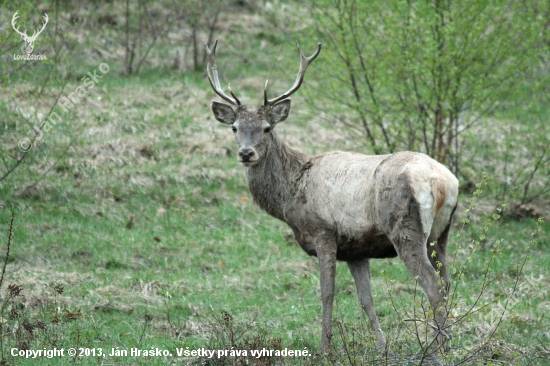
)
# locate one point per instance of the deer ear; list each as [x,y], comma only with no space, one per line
[223,113]
[279,112]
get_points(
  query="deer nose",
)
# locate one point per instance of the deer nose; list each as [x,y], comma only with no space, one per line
[246,153]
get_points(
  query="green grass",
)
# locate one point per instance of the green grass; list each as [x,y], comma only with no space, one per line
[147,223]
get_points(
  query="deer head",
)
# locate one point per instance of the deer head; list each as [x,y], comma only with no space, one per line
[253,128]
[29,41]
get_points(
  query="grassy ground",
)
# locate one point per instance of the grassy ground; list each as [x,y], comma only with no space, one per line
[144,235]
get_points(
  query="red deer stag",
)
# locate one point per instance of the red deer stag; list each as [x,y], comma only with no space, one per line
[345,206]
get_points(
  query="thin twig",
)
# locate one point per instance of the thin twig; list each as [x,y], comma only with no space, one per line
[10,234]
[70,144]
[20,159]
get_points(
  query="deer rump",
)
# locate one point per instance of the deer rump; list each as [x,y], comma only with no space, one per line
[361,200]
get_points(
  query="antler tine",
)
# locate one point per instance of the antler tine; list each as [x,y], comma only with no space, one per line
[233,95]
[35,34]
[266,102]
[214,79]
[44,25]
[13,21]
[304,63]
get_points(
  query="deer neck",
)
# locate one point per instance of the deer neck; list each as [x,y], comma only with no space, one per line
[272,181]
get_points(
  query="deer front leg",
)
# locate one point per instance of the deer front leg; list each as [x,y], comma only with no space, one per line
[326,253]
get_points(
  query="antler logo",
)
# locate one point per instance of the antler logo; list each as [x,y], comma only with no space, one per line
[29,41]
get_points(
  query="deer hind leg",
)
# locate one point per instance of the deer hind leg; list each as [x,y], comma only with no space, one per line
[412,251]
[438,255]
[406,232]
[360,270]
[417,262]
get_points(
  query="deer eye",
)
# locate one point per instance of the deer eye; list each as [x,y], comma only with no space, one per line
[267,129]
[233,128]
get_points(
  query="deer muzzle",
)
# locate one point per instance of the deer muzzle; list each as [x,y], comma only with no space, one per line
[247,155]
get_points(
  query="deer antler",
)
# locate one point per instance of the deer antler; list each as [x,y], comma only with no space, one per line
[13,19]
[304,62]
[24,34]
[35,35]
[215,81]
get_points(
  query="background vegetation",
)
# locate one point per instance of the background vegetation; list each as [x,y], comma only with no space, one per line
[133,223]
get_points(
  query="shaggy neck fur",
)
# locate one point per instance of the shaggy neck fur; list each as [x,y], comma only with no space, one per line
[272,180]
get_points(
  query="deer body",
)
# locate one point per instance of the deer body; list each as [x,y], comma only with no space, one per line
[347,206]
[353,197]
